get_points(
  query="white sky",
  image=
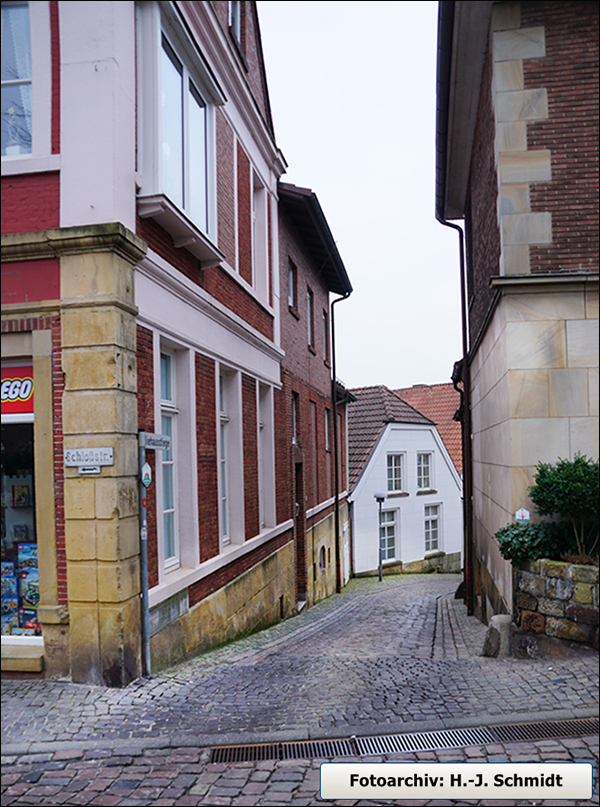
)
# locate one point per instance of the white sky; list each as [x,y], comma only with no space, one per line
[352,90]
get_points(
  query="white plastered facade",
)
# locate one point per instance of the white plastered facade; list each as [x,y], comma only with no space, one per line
[408,505]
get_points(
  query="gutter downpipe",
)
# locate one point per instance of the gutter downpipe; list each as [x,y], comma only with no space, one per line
[466,427]
[338,561]
[445,42]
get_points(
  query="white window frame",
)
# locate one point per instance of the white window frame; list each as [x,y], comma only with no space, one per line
[40,158]
[155,21]
[234,18]
[169,460]
[181,407]
[391,486]
[325,336]
[266,456]
[230,457]
[425,470]
[386,523]
[260,240]
[310,324]
[295,406]
[428,519]
[292,284]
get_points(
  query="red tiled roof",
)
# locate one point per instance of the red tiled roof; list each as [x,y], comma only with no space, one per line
[367,416]
[439,402]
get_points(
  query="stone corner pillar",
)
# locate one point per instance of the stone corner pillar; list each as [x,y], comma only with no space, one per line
[98,315]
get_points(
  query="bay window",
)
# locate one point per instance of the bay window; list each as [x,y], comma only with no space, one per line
[177,117]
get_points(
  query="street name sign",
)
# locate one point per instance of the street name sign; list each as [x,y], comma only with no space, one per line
[88,457]
[162,442]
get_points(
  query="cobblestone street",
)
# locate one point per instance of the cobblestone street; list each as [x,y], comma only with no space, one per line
[380,658]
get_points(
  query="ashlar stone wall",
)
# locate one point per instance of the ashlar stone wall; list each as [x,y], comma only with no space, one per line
[557,599]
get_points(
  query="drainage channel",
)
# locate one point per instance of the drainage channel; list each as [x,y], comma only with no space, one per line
[402,743]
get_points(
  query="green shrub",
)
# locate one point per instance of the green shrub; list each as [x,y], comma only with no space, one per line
[567,490]
[519,542]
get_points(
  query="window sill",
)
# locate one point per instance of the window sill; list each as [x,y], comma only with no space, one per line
[397,494]
[30,164]
[294,312]
[426,492]
[185,234]
[312,350]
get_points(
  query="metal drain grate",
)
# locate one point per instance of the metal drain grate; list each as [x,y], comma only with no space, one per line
[424,741]
[541,731]
[303,749]
[402,743]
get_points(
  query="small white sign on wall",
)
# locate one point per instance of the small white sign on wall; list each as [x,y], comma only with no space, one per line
[522,516]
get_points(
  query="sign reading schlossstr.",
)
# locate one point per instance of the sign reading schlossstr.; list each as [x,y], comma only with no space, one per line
[78,457]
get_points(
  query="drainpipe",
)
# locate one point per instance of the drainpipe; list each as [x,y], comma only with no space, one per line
[466,427]
[338,562]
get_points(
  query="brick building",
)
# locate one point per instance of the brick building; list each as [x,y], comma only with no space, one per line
[311,268]
[518,162]
[141,292]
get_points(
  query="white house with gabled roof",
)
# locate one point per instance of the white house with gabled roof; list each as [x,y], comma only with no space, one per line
[396,450]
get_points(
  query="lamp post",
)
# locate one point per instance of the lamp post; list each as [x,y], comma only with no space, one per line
[380,496]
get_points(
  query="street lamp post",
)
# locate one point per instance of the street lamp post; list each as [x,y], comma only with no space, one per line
[380,496]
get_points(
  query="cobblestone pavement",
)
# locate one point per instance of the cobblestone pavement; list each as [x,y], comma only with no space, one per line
[379,658]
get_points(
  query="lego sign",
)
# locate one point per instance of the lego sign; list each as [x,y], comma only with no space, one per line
[17,390]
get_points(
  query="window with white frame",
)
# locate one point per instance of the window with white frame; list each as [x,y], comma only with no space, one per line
[176,147]
[16,80]
[295,418]
[292,276]
[327,430]
[310,330]
[260,267]
[424,471]
[224,462]
[387,534]
[432,527]
[183,138]
[168,414]
[266,457]
[395,472]
[325,336]
[235,18]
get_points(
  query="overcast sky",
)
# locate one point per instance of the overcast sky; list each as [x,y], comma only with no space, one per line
[352,89]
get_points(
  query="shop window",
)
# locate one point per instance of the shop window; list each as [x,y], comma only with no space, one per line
[20,574]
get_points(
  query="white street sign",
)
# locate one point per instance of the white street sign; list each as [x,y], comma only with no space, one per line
[162,442]
[78,457]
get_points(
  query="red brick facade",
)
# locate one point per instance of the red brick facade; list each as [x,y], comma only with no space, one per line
[30,202]
[483,251]
[570,133]
[244,201]
[206,431]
